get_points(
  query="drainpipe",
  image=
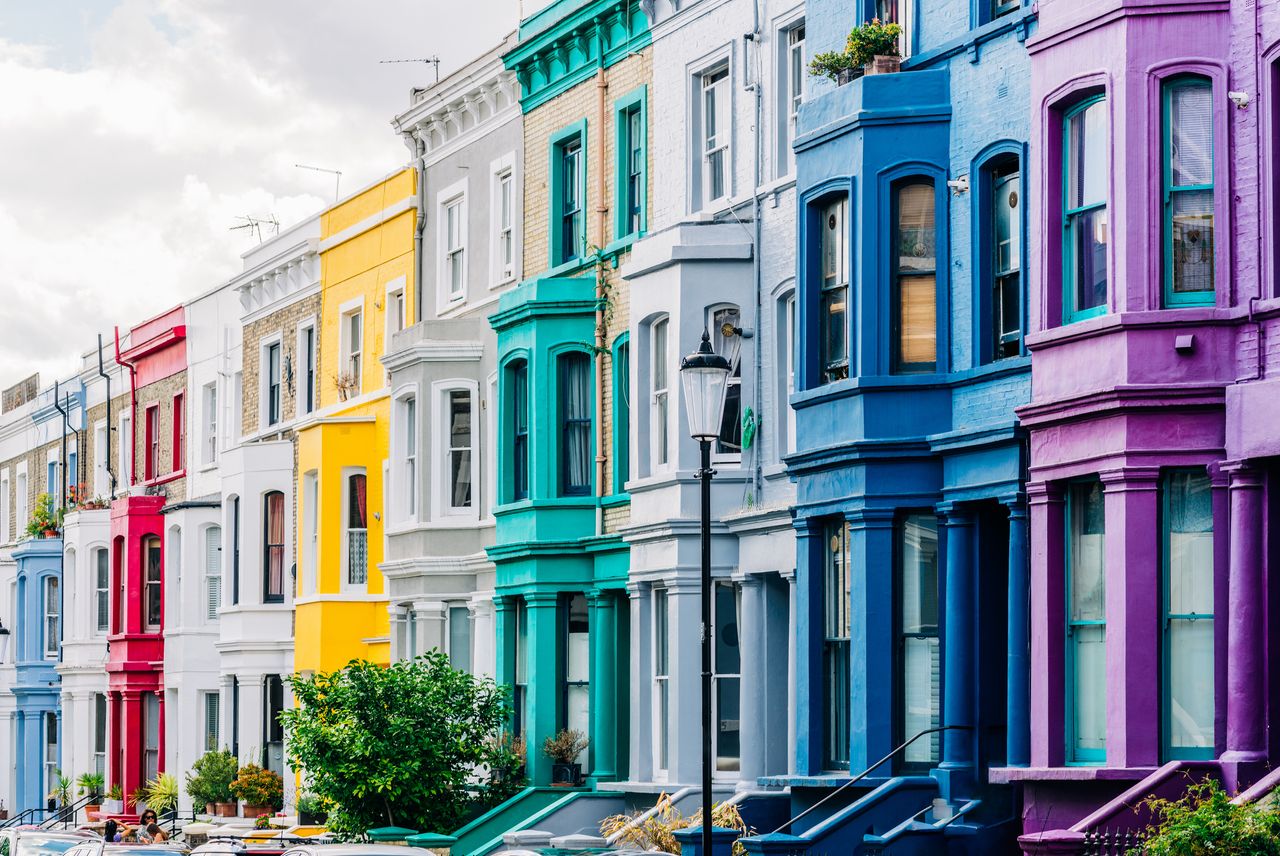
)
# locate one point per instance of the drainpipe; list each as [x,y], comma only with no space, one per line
[62,485]
[602,219]
[757,269]
[419,148]
[111,474]
[1257,135]
[133,409]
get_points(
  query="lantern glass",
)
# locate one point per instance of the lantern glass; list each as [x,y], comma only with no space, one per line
[705,377]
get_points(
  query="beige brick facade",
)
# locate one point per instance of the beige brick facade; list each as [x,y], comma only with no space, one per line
[162,395]
[88,454]
[37,461]
[283,323]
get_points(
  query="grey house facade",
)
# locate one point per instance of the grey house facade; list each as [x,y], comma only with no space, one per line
[465,134]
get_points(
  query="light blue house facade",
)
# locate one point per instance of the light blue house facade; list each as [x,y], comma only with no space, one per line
[36,689]
[911,569]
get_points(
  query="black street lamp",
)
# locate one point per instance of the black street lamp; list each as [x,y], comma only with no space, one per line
[4,642]
[705,377]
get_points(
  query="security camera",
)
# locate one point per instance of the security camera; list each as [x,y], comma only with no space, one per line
[1240,99]
[959,185]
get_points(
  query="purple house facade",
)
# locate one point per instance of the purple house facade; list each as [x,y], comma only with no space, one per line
[1154,425]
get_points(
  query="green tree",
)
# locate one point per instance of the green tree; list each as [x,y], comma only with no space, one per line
[1205,821]
[416,744]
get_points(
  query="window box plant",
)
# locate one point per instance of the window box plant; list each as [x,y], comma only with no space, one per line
[563,749]
[871,48]
[262,791]
[46,521]
[209,783]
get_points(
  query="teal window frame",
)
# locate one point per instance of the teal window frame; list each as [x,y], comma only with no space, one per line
[1076,756]
[1070,314]
[564,424]
[559,142]
[635,102]
[622,413]
[1171,298]
[517,449]
[1168,752]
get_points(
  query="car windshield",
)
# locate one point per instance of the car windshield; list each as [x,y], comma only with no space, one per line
[140,850]
[44,845]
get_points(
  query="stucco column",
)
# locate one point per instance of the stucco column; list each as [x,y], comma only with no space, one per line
[1132,506]
[1017,700]
[684,696]
[640,744]
[429,617]
[224,710]
[131,740]
[22,763]
[959,651]
[751,648]
[871,646]
[806,650]
[1246,642]
[604,685]
[544,682]
[504,634]
[1048,609]
[480,610]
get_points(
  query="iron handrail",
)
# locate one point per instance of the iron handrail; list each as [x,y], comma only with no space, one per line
[61,813]
[867,771]
[27,814]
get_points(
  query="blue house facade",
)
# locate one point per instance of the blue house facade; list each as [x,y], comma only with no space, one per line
[36,689]
[911,568]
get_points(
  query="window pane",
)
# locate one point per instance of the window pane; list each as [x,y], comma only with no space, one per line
[921,682]
[918,312]
[920,675]
[915,249]
[460,449]
[1086,604]
[1191,670]
[1090,676]
[1191,219]
[916,234]
[274,511]
[1088,542]
[1086,156]
[836,665]
[576,420]
[1088,259]
[833,309]
[1190,546]
[356,518]
[1191,134]
[920,575]
[460,638]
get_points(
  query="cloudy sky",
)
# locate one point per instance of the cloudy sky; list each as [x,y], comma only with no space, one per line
[133,133]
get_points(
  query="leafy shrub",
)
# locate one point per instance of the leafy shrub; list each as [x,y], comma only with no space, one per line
[160,794]
[866,42]
[210,777]
[258,787]
[1205,821]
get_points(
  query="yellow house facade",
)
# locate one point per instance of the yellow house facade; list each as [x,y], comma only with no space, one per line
[367,287]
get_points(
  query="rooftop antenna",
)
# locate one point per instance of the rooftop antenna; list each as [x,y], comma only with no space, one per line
[255,224]
[434,60]
[336,173]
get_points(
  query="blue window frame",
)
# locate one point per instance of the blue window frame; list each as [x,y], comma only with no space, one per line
[575,424]
[631,148]
[913,263]
[918,696]
[1188,197]
[1188,621]
[833,302]
[568,194]
[837,632]
[1086,648]
[518,374]
[1003,253]
[1085,143]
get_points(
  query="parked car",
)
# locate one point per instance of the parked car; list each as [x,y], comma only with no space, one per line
[99,847]
[34,841]
[353,850]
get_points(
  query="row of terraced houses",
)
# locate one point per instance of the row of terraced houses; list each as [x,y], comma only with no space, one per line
[998,456]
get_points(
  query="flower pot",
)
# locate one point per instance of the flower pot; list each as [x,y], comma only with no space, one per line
[92,811]
[210,808]
[224,809]
[881,64]
[848,75]
[112,806]
[257,810]
[51,533]
[4,814]
[566,775]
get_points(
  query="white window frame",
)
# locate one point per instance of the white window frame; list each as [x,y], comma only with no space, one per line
[22,490]
[787,329]
[209,423]
[4,506]
[440,472]
[101,442]
[211,579]
[310,529]
[345,585]
[490,405]
[454,194]
[264,381]
[125,442]
[355,306]
[300,406]
[51,619]
[788,100]
[100,591]
[500,170]
[661,686]
[396,310]
[724,136]
[406,471]
[659,427]
[53,466]
[211,714]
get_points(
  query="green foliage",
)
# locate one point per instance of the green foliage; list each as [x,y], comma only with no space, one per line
[44,517]
[310,804]
[210,777]
[401,746]
[90,784]
[866,42]
[62,788]
[115,792]
[1205,821]
[258,787]
[160,794]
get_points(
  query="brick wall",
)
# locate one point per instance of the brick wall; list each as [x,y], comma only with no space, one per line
[37,460]
[161,394]
[285,323]
[88,454]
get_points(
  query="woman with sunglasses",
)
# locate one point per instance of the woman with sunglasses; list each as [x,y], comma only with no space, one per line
[145,823]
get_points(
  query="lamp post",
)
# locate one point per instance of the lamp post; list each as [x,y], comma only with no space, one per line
[705,375]
[4,642]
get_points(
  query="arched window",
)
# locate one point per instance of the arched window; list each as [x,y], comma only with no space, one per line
[725,322]
[659,395]
[1188,191]
[273,547]
[518,378]
[101,591]
[1084,209]
[575,424]
[914,281]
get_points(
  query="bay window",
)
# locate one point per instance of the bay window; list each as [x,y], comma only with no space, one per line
[576,666]
[1188,191]
[153,592]
[355,529]
[726,677]
[212,572]
[659,427]
[836,665]
[833,305]
[458,450]
[729,442]
[409,456]
[1086,648]
[1006,260]
[575,424]
[919,672]
[661,679]
[101,591]
[518,374]
[914,278]
[1084,214]
[1188,620]
[273,547]
[52,618]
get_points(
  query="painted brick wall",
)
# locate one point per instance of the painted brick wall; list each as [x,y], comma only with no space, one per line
[161,393]
[285,323]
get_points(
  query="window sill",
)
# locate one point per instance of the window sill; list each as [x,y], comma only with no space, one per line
[505,281]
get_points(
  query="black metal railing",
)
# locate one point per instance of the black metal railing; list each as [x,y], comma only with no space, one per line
[868,771]
[66,814]
[31,815]
[1112,842]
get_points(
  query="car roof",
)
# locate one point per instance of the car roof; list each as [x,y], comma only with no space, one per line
[355,849]
[58,834]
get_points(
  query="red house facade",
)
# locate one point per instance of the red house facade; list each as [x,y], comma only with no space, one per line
[154,430]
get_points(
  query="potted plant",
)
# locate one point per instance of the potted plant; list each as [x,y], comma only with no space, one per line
[46,521]
[90,785]
[261,790]
[62,789]
[209,782]
[160,794]
[311,810]
[563,750]
[871,48]
[4,812]
[114,803]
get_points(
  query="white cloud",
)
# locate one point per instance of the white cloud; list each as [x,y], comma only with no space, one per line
[133,134]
